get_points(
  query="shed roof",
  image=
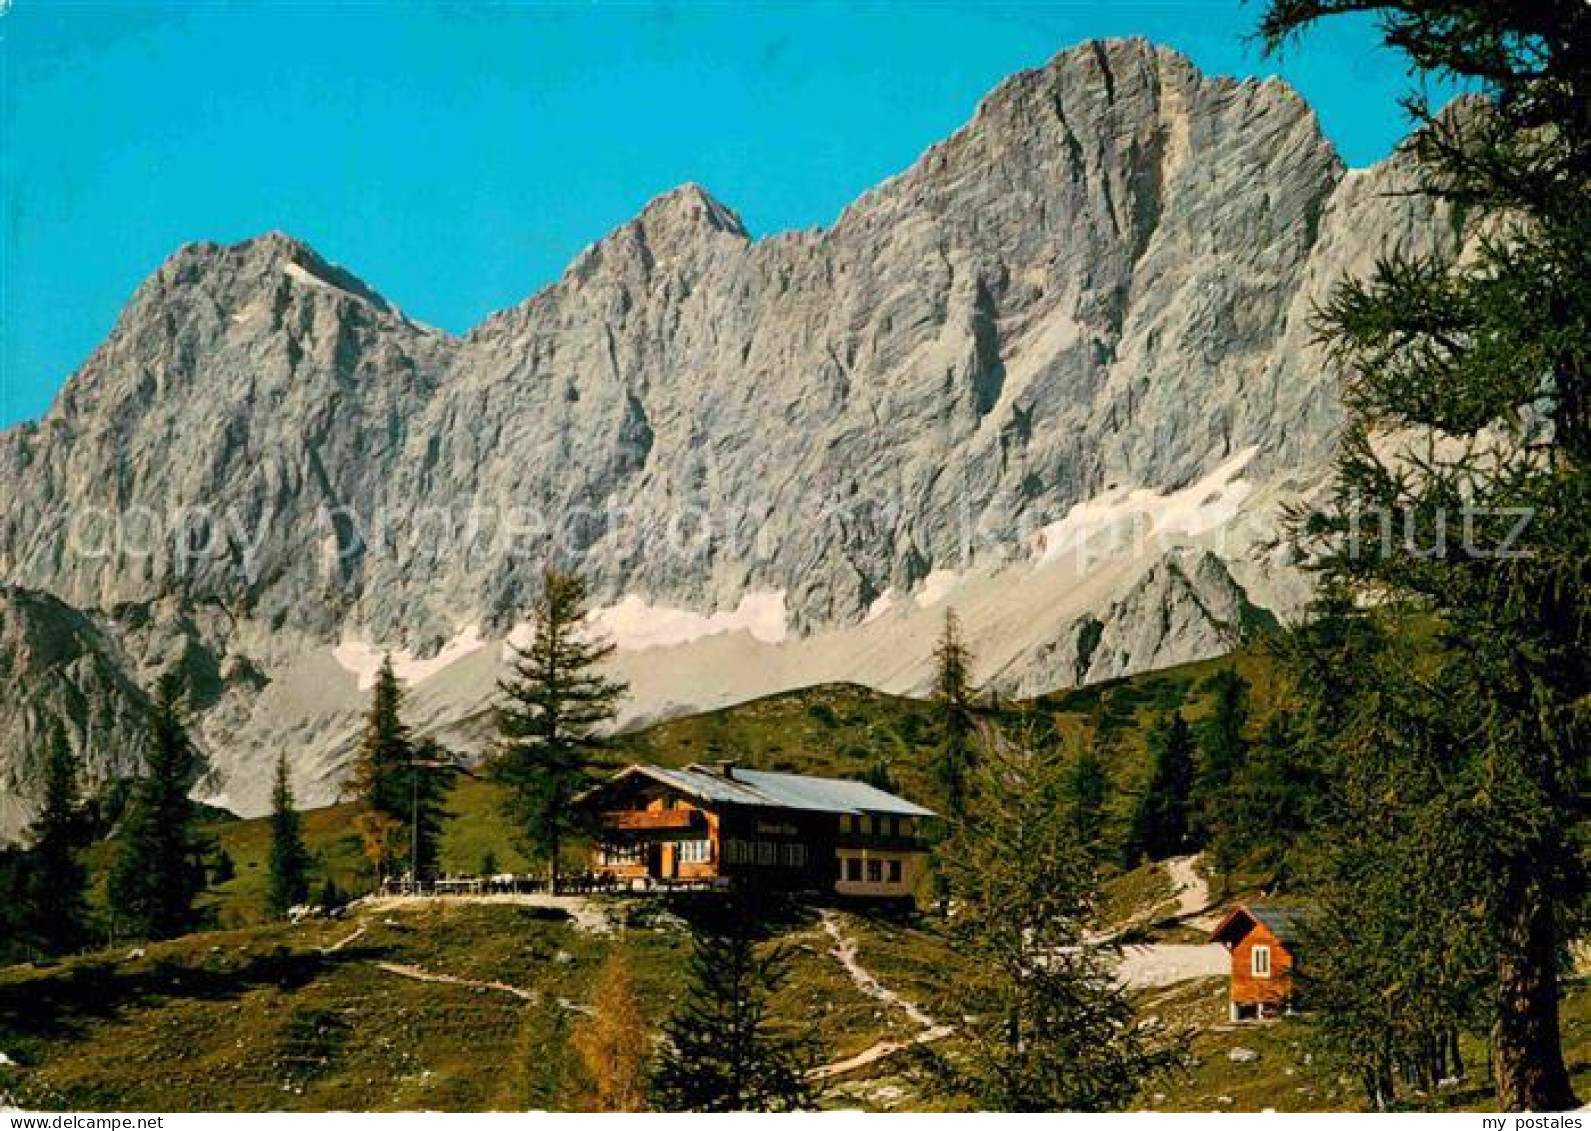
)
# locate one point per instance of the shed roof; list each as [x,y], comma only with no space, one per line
[771,790]
[1285,922]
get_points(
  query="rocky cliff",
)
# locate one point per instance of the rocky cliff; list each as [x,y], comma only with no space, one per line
[1057,373]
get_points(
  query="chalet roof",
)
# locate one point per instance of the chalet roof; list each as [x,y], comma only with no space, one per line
[1286,923]
[781,791]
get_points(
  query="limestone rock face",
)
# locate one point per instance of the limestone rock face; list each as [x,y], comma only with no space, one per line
[1099,288]
[56,666]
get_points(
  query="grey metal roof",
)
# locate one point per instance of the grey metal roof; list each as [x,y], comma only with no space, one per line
[1286,923]
[783,791]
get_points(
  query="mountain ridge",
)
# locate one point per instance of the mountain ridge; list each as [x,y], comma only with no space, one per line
[1082,319]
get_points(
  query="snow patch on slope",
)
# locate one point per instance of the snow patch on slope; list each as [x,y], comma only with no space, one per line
[1121,517]
[363,660]
[303,275]
[634,625]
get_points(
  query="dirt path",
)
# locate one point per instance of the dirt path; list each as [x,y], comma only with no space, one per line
[1163,964]
[931,1030]
[421,975]
[1193,893]
[340,943]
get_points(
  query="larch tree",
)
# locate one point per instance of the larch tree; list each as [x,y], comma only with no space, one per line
[1044,1025]
[612,1044]
[287,884]
[159,870]
[1467,384]
[956,748]
[1395,947]
[553,705]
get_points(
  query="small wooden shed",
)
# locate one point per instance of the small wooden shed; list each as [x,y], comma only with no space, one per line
[1263,941]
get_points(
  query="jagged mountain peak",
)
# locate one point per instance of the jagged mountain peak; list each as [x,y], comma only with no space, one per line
[688,207]
[259,262]
[1088,310]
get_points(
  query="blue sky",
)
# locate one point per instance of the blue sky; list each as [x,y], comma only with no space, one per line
[457,156]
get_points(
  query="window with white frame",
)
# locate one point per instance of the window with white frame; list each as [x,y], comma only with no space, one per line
[621,854]
[1260,962]
[695,851]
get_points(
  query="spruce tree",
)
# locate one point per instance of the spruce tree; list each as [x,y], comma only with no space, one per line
[1223,748]
[287,884]
[1087,792]
[14,940]
[222,869]
[1045,1026]
[1160,819]
[380,782]
[553,703]
[159,869]
[724,1051]
[53,909]
[953,696]
[432,775]
[1467,382]
[1272,803]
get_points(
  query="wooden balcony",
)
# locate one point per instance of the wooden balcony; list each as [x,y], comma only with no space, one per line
[648,820]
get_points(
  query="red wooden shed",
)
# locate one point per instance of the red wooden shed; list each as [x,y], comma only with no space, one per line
[1263,940]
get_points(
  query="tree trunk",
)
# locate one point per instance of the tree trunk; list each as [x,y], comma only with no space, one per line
[1527,1055]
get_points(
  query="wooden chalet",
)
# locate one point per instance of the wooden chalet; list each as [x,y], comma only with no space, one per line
[1263,941]
[709,824]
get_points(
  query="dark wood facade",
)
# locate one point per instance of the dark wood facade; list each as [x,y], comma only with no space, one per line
[673,827]
[1263,942]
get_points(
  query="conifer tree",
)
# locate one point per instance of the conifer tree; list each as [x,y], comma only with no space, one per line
[724,1049]
[553,703]
[1087,792]
[14,941]
[159,869]
[1044,1025]
[433,773]
[400,783]
[1223,748]
[878,776]
[381,769]
[52,903]
[1160,819]
[956,749]
[612,1044]
[1467,383]
[287,885]
[1396,956]
[1272,802]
